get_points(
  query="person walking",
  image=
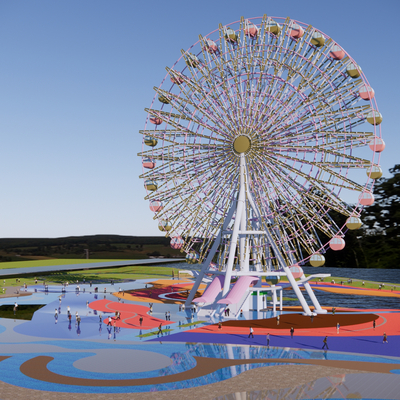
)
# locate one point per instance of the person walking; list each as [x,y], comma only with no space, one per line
[160,329]
[325,343]
[385,338]
[219,326]
[251,333]
[79,321]
[268,340]
[333,310]
[312,317]
[166,315]
[109,321]
[227,311]
[337,327]
[56,314]
[140,320]
[374,324]
[278,319]
[100,319]
[291,332]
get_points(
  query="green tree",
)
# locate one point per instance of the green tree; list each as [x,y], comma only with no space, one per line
[381,232]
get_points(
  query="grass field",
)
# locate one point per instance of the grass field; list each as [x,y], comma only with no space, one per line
[354,283]
[119,274]
[97,276]
[24,311]
[44,263]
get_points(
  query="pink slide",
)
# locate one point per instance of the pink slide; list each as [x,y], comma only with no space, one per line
[212,291]
[237,291]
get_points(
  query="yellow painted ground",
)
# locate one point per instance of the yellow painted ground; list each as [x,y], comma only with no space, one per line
[361,292]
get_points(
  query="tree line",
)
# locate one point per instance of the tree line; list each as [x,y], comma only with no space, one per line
[377,243]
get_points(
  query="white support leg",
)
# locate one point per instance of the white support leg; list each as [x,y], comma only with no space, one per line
[280,300]
[297,291]
[314,299]
[234,237]
[209,258]
[232,248]
[274,301]
[242,240]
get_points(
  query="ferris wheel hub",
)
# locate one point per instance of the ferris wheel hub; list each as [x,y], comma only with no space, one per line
[242,144]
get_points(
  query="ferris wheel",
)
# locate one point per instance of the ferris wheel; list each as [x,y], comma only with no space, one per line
[254,136]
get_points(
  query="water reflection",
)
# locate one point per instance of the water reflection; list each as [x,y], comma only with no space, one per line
[323,388]
[183,361]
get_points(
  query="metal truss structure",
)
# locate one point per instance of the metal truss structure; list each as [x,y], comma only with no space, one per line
[256,133]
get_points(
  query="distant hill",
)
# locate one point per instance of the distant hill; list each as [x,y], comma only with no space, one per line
[99,247]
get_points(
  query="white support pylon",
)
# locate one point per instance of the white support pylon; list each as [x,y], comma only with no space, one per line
[240,232]
[235,233]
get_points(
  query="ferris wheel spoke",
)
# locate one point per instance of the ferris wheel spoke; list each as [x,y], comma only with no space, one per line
[308,209]
[284,96]
[205,109]
[340,159]
[216,100]
[322,169]
[284,169]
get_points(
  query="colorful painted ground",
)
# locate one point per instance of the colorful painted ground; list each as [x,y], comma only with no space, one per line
[154,349]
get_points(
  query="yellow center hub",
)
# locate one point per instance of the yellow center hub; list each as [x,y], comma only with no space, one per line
[241,144]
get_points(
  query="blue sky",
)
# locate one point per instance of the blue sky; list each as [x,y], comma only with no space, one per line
[75,79]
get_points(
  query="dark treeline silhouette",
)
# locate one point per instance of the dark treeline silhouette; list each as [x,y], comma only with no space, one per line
[375,245]
[99,246]
[84,240]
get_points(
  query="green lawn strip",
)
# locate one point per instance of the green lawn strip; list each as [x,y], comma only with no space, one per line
[24,311]
[153,333]
[354,283]
[97,276]
[192,323]
[44,263]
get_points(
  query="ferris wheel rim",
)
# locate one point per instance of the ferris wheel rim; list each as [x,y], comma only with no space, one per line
[372,101]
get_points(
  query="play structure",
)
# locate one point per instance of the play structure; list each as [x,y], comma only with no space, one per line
[252,147]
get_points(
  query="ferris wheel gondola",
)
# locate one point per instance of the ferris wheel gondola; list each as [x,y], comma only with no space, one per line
[273,107]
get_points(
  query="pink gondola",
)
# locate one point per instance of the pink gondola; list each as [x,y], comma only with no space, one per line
[337,243]
[177,242]
[336,52]
[148,163]
[156,120]
[297,31]
[156,206]
[366,92]
[366,198]
[177,78]
[251,30]
[296,271]
[377,144]
[211,46]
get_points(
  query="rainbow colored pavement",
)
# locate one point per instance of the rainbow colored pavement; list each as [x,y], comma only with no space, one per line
[191,357]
